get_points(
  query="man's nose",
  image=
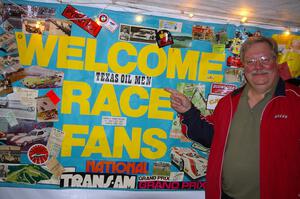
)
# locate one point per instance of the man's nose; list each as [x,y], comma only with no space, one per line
[258,64]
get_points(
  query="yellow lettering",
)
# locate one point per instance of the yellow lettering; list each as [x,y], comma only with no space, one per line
[69,97]
[206,66]
[35,46]
[125,101]
[160,146]
[132,146]
[90,56]
[112,57]
[69,141]
[143,60]
[189,65]
[97,143]
[106,94]
[65,52]
[155,103]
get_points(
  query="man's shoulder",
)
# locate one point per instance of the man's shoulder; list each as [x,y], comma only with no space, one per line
[291,88]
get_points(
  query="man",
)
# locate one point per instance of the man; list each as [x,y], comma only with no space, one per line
[254,132]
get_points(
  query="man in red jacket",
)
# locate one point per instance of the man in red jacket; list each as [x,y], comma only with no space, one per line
[254,132]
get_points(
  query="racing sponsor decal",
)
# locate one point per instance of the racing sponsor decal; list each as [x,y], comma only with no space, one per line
[82,20]
[90,180]
[212,101]
[38,154]
[108,23]
[222,89]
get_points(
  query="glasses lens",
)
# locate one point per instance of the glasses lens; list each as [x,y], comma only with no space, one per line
[265,60]
[250,62]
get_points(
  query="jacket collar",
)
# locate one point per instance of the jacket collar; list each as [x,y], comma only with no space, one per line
[279,91]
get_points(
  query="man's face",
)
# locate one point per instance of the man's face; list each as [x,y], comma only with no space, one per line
[261,69]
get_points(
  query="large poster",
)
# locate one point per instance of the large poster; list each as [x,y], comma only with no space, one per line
[82,96]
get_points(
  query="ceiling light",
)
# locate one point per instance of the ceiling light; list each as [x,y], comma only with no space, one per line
[244,20]
[139,18]
[191,15]
[287,32]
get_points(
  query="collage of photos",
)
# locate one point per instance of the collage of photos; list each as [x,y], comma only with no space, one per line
[26,122]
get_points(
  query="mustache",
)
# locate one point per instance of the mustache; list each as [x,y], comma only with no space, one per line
[261,72]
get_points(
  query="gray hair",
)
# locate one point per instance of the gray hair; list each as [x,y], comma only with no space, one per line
[254,40]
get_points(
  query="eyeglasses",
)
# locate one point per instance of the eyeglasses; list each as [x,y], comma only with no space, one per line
[264,60]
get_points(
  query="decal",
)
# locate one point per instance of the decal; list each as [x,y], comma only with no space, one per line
[81,20]
[38,154]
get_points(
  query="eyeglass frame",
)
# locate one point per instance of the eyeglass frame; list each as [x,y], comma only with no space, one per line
[269,60]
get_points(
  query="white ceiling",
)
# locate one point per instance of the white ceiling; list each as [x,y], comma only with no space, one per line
[267,13]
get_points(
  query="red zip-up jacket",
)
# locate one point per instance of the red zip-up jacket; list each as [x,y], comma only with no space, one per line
[279,141]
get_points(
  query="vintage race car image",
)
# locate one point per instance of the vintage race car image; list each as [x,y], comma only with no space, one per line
[15,104]
[189,161]
[43,82]
[34,136]
[10,154]
[144,34]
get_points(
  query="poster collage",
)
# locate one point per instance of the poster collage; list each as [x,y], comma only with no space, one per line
[31,136]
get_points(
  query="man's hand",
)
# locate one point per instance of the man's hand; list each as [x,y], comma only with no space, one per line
[179,102]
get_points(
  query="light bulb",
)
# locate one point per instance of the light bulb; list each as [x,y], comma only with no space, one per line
[139,18]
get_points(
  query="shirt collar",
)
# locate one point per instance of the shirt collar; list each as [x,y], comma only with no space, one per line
[279,90]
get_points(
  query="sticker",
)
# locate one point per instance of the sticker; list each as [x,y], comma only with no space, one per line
[164,38]
[213,100]
[108,23]
[82,20]
[222,89]
[38,154]
[53,97]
